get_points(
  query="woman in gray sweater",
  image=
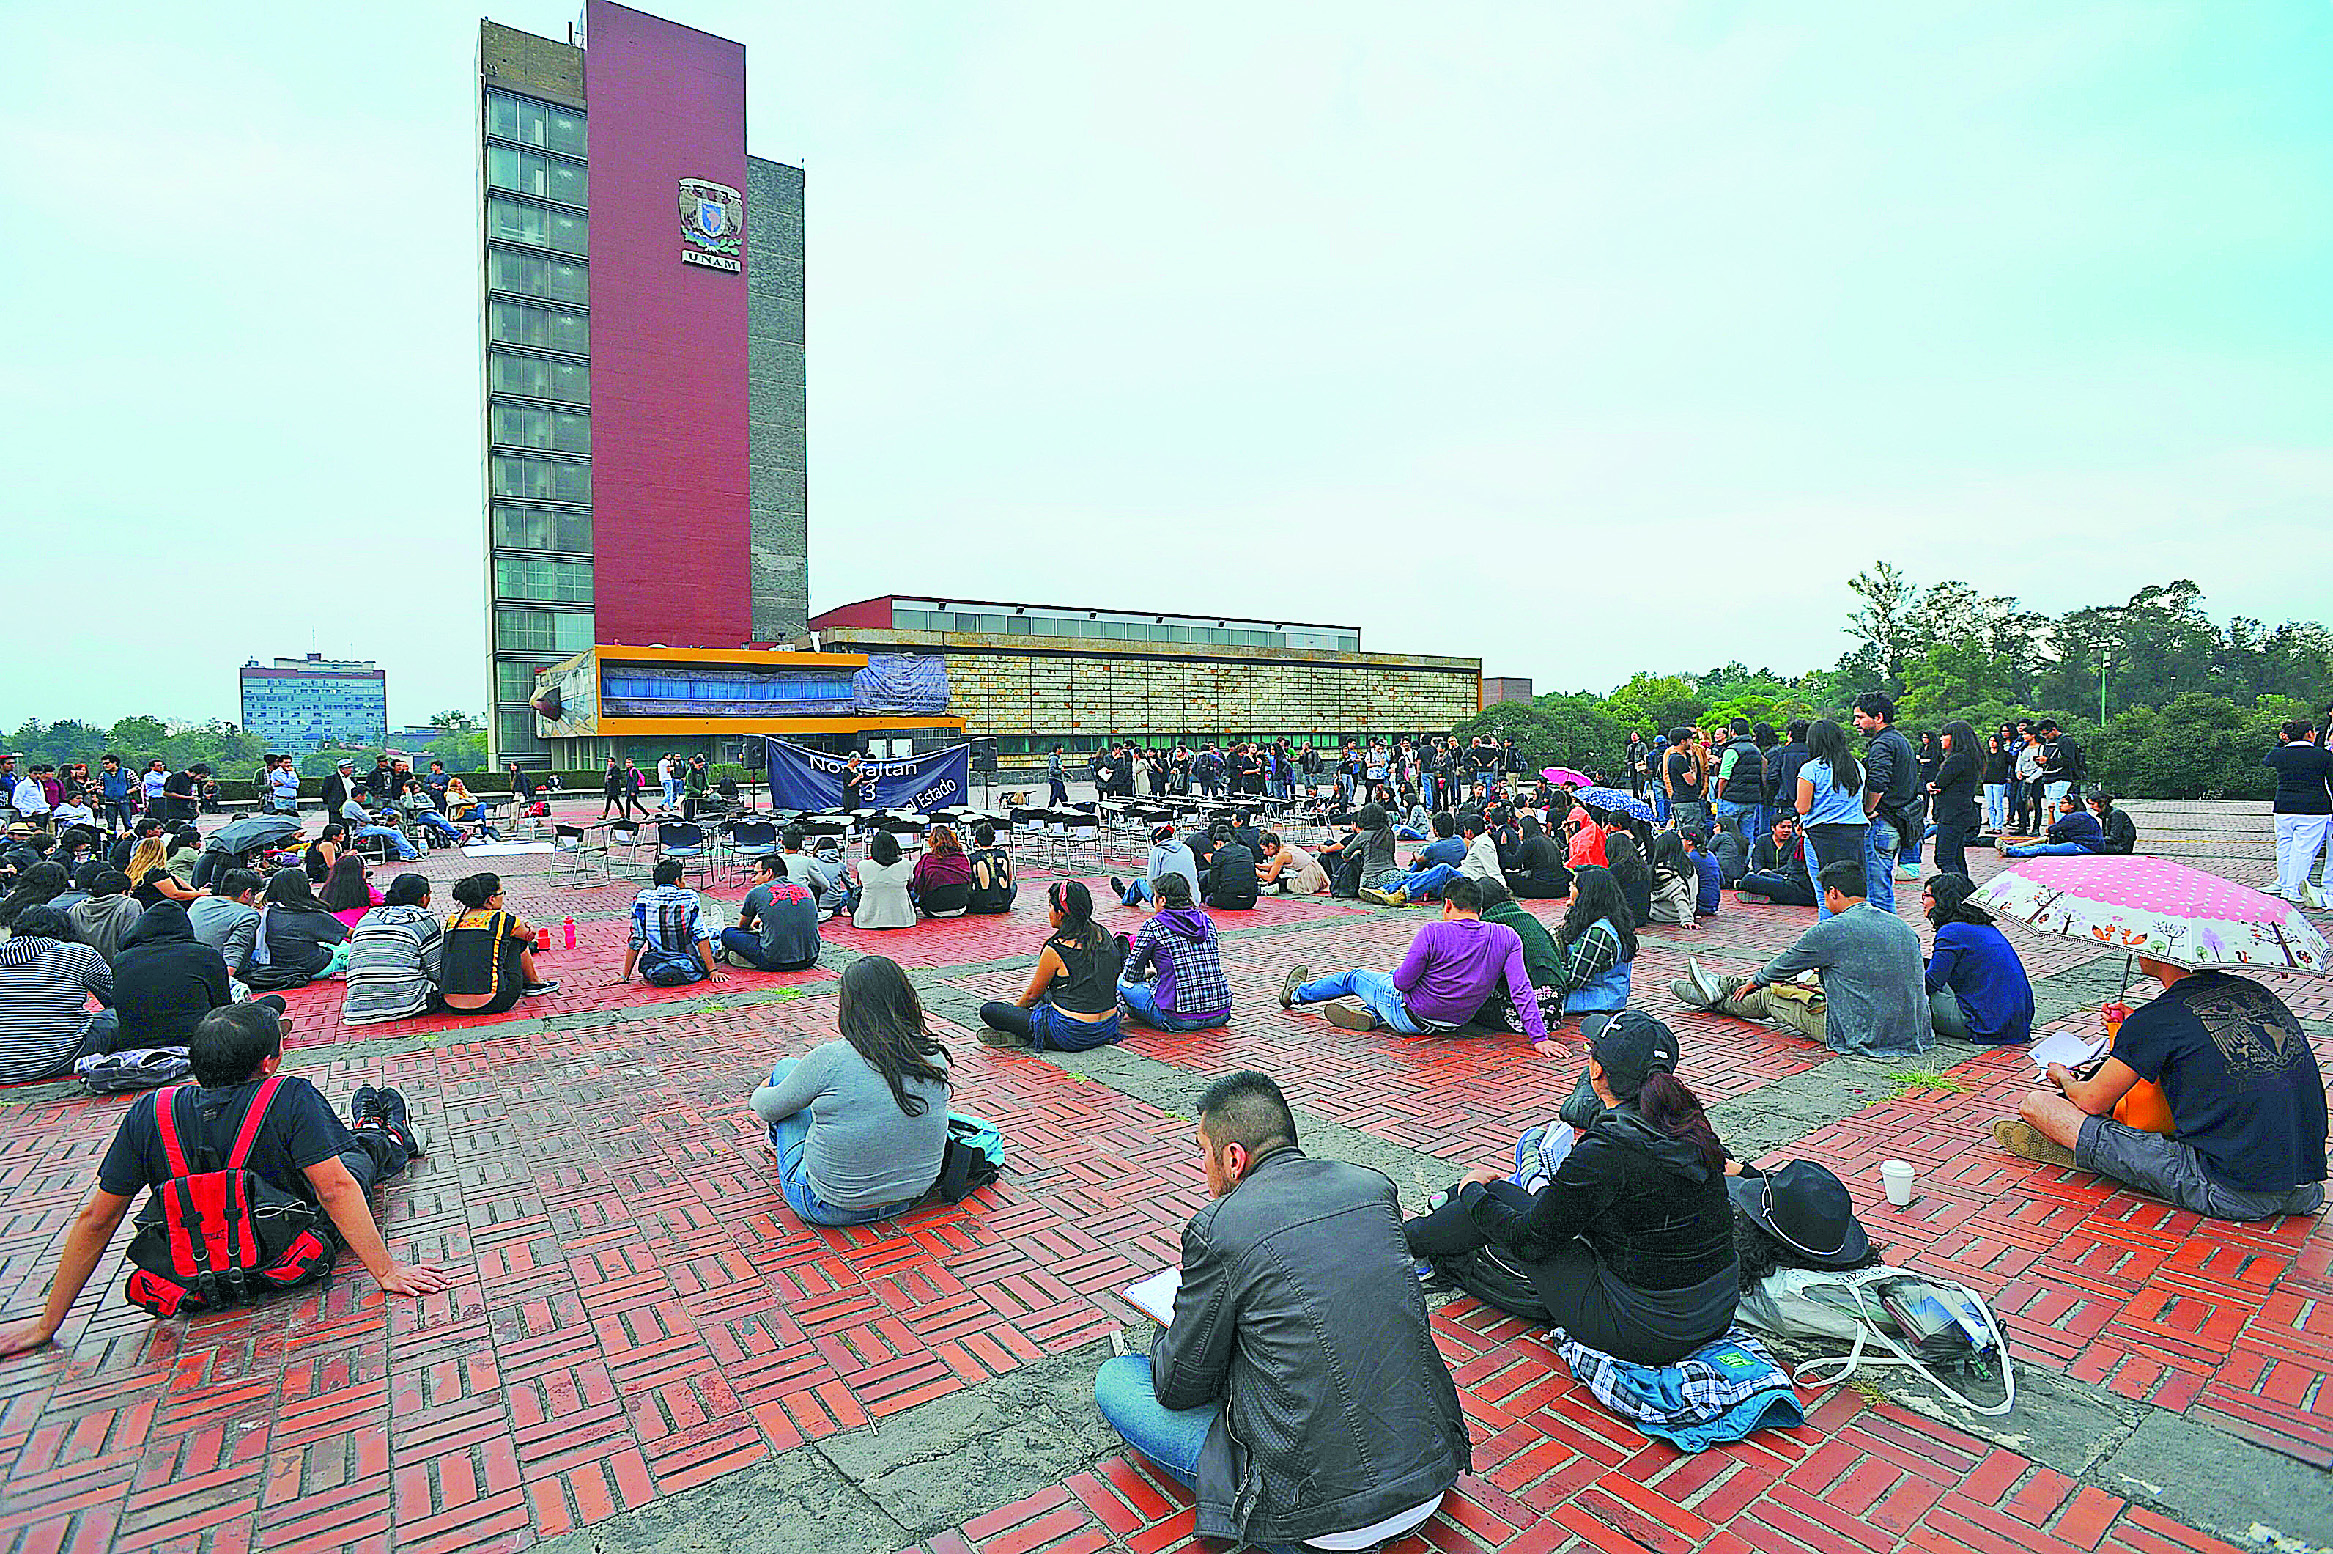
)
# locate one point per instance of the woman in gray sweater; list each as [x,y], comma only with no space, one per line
[859,1125]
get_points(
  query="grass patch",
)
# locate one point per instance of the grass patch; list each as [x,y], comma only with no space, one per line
[1910,1079]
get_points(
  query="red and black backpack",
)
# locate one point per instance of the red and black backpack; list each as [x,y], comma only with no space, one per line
[216,1235]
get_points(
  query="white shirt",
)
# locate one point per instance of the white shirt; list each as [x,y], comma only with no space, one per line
[1377,1532]
[152,783]
[1482,858]
[72,814]
[30,798]
[284,783]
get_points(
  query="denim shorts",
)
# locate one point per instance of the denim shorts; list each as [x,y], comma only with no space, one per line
[2165,1168]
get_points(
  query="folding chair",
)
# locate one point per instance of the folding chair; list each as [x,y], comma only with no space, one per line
[576,850]
[735,841]
[682,840]
[624,834]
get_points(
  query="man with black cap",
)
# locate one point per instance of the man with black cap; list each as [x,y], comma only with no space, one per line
[1629,1247]
[1873,1000]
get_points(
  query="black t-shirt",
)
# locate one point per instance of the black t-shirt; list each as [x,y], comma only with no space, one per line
[2301,772]
[2241,1080]
[300,1131]
[1684,780]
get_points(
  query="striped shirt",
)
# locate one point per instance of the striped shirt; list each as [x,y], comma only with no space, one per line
[393,960]
[45,987]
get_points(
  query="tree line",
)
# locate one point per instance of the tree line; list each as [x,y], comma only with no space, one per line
[231,752]
[2168,702]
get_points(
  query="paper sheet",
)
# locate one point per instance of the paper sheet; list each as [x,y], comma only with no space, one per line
[1154,1297]
[2071,1048]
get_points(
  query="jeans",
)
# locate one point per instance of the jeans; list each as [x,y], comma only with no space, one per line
[1139,891]
[1832,843]
[671,793]
[790,1137]
[116,813]
[1373,988]
[1996,805]
[1880,841]
[1780,888]
[439,826]
[2299,838]
[1141,1001]
[1951,850]
[399,848]
[2168,1169]
[2047,850]
[1740,820]
[1047,1029]
[1170,1438]
[374,1156]
[1056,792]
[1661,805]
[745,944]
[1426,884]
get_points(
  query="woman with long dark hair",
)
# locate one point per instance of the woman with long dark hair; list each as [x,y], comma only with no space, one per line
[1676,883]
[1953,792]
[1978,989]
[860,1124]
[1830,800]
[883,900]
[1627,858]
[37,886]
[297,940]
[1597,939]
[321,854]
[1071,1003]
[1538,872]
[488,961]
[1629,1245]
[347,894]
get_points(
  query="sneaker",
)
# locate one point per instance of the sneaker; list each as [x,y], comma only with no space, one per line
[1389,898]
[2316,896]
[992,1037]
[2027,1142]
[389,1114]
[1117,887]
[1907,871]
[538,989]
[363,1106]
[1710,989]
[1298,975]
[1683,992]
[1349,1017]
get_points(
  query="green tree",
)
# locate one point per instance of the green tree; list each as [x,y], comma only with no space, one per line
[1885,621]
[138,738]
[455,722]
[1651,703]
[1555,730]
[463,752]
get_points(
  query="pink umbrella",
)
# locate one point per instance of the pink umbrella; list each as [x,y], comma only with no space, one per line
[1564,776]
[2159,909]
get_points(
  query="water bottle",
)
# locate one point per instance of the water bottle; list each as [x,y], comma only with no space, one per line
[542,939]
[568,931]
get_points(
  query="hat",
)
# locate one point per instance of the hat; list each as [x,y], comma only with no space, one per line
[1631,1046]
[1162,833]
[1805,1208]
[19,828]
[345,761]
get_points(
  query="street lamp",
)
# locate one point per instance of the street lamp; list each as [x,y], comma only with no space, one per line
[2105,668]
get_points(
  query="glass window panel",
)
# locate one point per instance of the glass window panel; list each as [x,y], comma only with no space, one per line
[518,734]
[506,168]
[542,631]
[515,221]
[1017,626]
[567,183]
[527,528]
[517,323]
[514,682]
[518,427]
[566,131]
[553,582]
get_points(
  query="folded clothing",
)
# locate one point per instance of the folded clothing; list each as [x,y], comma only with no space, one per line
[1718,1393]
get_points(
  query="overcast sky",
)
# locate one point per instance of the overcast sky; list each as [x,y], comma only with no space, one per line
[1576,336]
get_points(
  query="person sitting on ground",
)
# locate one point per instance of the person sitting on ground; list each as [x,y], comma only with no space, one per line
[1675,882]
[1367,859]
[1071,1002]
[395,957]
[1871,1000]
[1709,877]
[1445,850]
[777,927]
[1632,872]
[2247,1102]
[46,983]
[317,859]
[487,962]
[1244,832]
[1168,855]
[1173,979]
[1542,961]
[1630,1245]
[150,876]
[942,881]
[297,941]
[1778,873]
[2075,834]
[1453,969]
[83,886]
[107,916]
[1298,1389]
[165,981]
[884,901]
[860,1124]
[186,850]
[1977,987]
[1232,882]
[1597,940]
[1538,873]
[669,945]
[1479,861]
[39,885]
[348,894]
[301,1148]
[993,885]
[1290,870]
[2121,832]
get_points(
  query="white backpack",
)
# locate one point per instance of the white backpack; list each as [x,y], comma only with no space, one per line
[1848,1306]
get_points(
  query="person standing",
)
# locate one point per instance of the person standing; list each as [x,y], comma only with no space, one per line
[1996,777]
[1684,776]
[114,785]
[1296,1285]
[1891,795]
[1954,789]
[2304,809]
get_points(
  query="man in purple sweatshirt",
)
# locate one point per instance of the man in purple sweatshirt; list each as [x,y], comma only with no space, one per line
[1452,969]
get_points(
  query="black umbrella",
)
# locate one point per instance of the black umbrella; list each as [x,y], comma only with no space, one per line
[238,837]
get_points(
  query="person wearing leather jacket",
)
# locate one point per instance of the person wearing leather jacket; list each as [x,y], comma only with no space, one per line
[1298,1389]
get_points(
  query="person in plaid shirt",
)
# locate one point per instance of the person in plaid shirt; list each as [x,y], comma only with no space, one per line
[1173,979]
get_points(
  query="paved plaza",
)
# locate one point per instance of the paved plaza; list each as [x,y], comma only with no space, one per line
[645,1349]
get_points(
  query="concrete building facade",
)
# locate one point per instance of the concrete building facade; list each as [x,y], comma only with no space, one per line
[297,704]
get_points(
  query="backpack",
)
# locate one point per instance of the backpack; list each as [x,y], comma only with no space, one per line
[659,969]
[1920,1323]
[132,1068]
[217,1235]
[972,1158]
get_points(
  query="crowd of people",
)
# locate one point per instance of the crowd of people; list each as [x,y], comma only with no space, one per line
[1625,1221]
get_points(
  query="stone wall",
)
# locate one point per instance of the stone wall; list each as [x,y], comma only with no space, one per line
[999,685]
[526,63]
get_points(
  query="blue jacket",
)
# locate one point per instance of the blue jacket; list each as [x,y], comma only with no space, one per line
[1443,849]
[1983,971]
[1712,881]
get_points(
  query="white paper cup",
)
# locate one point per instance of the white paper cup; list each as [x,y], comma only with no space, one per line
[1896,1177]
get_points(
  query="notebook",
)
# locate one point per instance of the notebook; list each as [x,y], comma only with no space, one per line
[1154,1297]
[2071,1048]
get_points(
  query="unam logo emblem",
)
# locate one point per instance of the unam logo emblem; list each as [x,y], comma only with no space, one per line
[712,216]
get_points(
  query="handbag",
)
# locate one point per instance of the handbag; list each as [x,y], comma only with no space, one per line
[1922,1324]
[972,1158]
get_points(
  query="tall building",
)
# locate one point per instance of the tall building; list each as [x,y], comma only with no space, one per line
[297,704]
[641,283]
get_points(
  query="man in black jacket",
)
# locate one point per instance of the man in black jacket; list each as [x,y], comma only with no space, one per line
[336,789]
[1298,1389]
[1230,877]
[1891,793]
[165,980]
